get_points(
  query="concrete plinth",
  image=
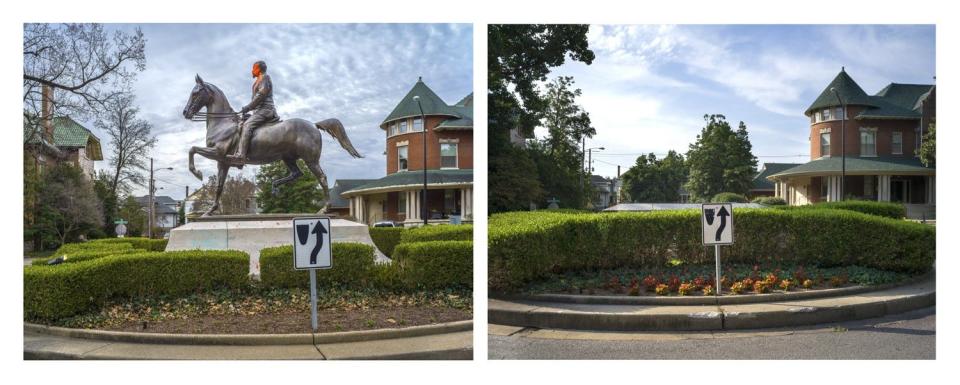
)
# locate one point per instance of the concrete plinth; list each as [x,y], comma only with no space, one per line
[251,233]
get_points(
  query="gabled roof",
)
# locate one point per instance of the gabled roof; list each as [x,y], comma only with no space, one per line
[849,91]
[341,185]
[431,103]
[67,133]
[760,182]
[904,95]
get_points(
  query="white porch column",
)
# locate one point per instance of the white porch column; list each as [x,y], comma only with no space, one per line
[831,188]
[413,201]
[883,185]
[466,202]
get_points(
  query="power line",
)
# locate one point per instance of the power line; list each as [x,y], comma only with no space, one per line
[665,154]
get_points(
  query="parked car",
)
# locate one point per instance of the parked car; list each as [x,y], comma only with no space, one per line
[385,224]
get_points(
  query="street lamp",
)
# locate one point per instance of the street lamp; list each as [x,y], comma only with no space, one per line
[843,141]
[151,188]
[590,157]
[423,127]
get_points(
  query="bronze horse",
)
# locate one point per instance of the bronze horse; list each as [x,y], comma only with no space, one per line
[287,140]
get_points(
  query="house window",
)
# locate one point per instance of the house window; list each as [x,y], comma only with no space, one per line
[896,143]
[403,126]
[826,114]
[393,128]
[817,117]
[838,113]
[825,144]
[448,155]
[402,158]
[417,124]
[868,142]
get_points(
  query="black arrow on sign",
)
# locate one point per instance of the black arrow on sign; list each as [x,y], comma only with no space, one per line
[723,214]
[319,230]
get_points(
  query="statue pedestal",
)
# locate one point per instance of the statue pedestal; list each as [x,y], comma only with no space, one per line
[251,233]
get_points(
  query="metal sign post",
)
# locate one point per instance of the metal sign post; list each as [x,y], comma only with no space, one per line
[717,221]
[312,251]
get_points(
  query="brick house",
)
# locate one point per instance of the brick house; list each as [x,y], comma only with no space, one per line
[62,140]
[883,135]
[449,163]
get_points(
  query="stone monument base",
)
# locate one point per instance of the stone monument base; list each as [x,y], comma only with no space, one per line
[253,232]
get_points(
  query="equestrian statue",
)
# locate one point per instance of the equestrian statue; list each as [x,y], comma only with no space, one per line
[238,138]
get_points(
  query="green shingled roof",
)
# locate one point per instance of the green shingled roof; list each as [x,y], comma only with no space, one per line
[904,95]
[432,105]
[760,182]
[67,133]
[340,186]
[849,91]
[885,165]
[413,179]
[465,109]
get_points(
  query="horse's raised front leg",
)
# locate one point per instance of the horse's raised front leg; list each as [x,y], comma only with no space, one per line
[206,152]
[222,169]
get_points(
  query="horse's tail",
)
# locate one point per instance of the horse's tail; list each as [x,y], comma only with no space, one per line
[336,130]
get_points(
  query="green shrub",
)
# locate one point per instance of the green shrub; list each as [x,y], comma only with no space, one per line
[386,238]
[770,201]
[883,209]
[352,267]
[137,242]
[53,292]
[86,255]
[725,197]
[527,246]
[88,249]
[436,264]
[438,233]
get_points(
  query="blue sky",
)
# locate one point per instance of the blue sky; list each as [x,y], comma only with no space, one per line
[650,85]
[354,72]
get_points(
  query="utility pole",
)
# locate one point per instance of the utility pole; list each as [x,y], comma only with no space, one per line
[150,202]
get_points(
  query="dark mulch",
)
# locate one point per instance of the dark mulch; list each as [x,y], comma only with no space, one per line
[328,320]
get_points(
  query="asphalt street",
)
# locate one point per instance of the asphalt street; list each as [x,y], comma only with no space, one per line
[904,336]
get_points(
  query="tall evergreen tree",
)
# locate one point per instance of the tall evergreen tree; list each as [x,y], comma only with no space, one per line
[720,160]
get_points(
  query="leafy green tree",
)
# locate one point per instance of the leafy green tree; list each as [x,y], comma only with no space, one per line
[655,180]
[303,195]
[68,206]
[519,57]
[928,148]
[558,180]
[559,157]
[135,215]
[720,160]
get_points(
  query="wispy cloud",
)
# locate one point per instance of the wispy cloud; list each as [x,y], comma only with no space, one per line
[354,72]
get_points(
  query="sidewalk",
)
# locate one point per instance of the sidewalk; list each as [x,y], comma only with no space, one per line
[620,317]
[457,345]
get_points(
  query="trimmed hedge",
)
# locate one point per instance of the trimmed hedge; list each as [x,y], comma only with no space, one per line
[725,197]
[386,238]
[86,255]
[526,246]
[137,242]
[435,265]
[770,201]
[883,209]
[52,292]
[438,233]
[352,267]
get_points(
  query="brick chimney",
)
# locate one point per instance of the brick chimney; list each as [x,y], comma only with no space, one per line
[46,112]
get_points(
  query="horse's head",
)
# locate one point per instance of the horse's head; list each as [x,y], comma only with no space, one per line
[200,96]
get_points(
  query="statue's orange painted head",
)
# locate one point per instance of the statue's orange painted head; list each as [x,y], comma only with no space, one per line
[256,69]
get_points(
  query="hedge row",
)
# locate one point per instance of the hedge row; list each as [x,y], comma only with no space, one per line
[352,266]
[137,242]
[386,238]
[525,246]
[770,201]
[728,197]
[438,233]
[86,255]
[52,292]
[883,209]
[421,265]
[436,265]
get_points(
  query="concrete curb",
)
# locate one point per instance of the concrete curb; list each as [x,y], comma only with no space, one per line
[705,300]
[250,339]
[616,317]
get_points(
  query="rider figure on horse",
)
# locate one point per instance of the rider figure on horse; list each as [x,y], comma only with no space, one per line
[262,111]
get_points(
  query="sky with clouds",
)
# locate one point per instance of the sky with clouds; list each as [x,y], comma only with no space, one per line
[650,85]
[353,72]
